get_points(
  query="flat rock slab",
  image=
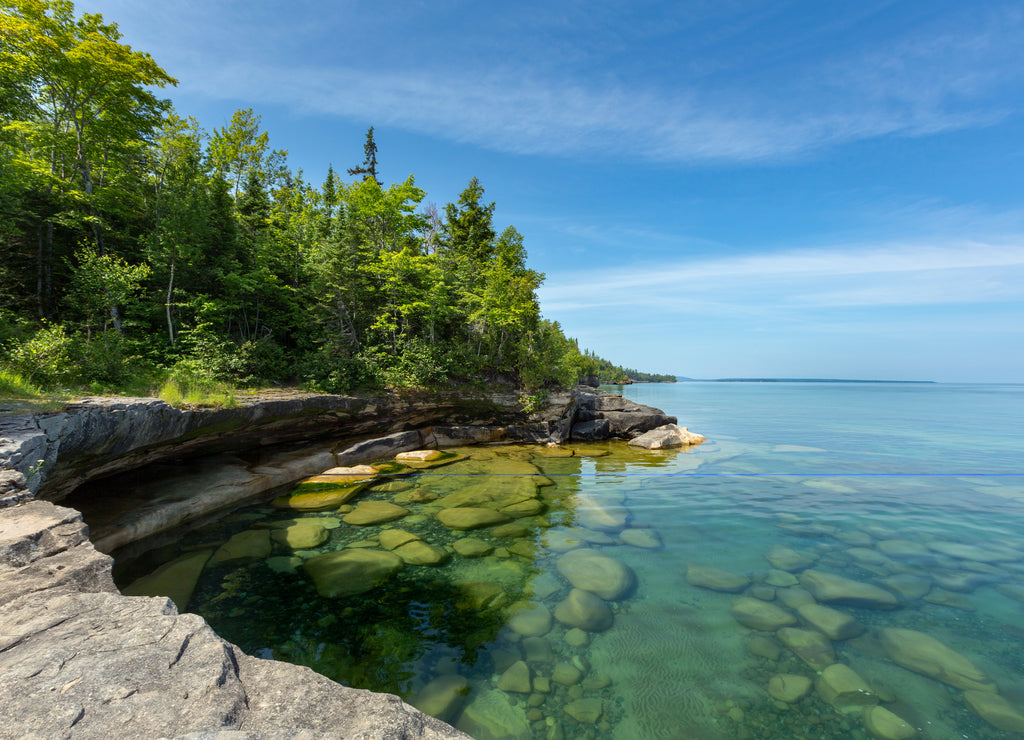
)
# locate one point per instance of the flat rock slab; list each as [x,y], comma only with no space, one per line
[95,664]
[351,572]
[665,436]
[926,655]
[829,587]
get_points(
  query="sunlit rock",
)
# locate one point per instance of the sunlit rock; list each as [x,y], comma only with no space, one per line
[285,564]
[566,674]
[443,697]
[882,724]
[794,597]
[996,710]
[374,512]
[665,436]
[829,587]
[593,571]
[789,687]
[924,654]
[350,571]
[252,544]
[418,552]
[760,615]
[530,620]
[472,547]
[492,716]
[835,624]
[176,580]
[585,711]
[786,559]
[811,646]
[470,518]
[516,678]
[638,537]
[780,578]
[840,686]
[300,536]
[584,610]
[393,538]
[715,579]
[597,512]
[907,586]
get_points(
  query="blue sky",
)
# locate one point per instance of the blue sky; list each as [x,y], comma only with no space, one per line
[713,188]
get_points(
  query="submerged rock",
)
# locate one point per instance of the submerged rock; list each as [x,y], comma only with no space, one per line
[516,678]
[995,710]
[924,654]
[300,536]
[530,620]
[491,716]
[716,579]
[593,571]
[586,711]
[470,518]
[253,544]
[812,647]
[832,588]
[471,547]
[882,724]
[374,512]
[176,580]
[639,537]
[418,552]
[840,686]
[760,615]
[443,697]
[789,560]
[584,610]
[907,586]
[789,687]
[835,624]
[350,572]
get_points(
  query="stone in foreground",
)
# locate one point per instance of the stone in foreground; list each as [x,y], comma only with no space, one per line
[789,687]
[593,571]
[716,579]
[841,687]
[584,610]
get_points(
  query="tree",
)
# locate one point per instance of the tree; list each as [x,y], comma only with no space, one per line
[84,110]
[368,169]
[240,148]
[470,226]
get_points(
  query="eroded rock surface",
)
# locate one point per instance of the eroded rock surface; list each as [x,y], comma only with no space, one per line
[80,660]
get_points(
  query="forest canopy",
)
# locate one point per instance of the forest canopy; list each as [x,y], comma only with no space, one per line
[138,244]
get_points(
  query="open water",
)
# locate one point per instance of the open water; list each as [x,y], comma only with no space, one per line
[914,492]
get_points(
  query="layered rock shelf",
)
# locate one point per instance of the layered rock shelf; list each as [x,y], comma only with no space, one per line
[82,660]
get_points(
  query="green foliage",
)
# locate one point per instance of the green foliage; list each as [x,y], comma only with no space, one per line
[46,357]
[207,254]
[13,385]
[188,385]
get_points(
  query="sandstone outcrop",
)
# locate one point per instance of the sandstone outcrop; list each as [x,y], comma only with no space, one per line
[81,660]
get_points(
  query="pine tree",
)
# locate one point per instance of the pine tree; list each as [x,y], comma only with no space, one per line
[368,168]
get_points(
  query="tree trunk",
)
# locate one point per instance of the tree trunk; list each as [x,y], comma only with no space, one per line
[170,289]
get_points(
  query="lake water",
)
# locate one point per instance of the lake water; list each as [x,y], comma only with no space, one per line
[719,569]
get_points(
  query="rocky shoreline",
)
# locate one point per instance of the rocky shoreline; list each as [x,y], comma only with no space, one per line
[84,661]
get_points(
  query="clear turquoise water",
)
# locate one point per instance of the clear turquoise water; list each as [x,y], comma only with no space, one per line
[829,470]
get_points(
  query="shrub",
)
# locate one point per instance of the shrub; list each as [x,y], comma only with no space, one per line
[46,357]
[12,385]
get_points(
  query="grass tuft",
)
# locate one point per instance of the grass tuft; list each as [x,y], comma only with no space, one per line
[13,385]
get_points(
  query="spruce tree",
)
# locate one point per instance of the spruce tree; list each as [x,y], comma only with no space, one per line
[369,166]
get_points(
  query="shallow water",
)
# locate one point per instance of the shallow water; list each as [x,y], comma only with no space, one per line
[864,481]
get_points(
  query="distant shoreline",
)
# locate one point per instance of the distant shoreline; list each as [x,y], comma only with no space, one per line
[807,380]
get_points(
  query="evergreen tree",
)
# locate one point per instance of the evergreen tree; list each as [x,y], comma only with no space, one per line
[368,169]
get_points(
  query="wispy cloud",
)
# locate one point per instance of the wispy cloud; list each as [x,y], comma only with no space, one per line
[798,281]
[921,84]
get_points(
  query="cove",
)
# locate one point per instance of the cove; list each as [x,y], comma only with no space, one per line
[850,572]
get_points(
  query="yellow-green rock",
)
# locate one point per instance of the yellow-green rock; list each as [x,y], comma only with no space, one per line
[760,615]
[393,538]
[418,552]
[470,518]
[923,654]
[715,579]
[789,687]
[374,512]
[840,686]
[811,646]
[350,572]
[835,624]
[996,710]
[443,697]
[253,544]
[176,580]
[472,547]
[882,724]
[300,536]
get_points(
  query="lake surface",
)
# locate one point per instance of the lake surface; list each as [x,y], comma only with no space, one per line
[719,570]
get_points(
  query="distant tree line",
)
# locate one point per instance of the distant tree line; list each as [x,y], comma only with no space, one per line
[133,240]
